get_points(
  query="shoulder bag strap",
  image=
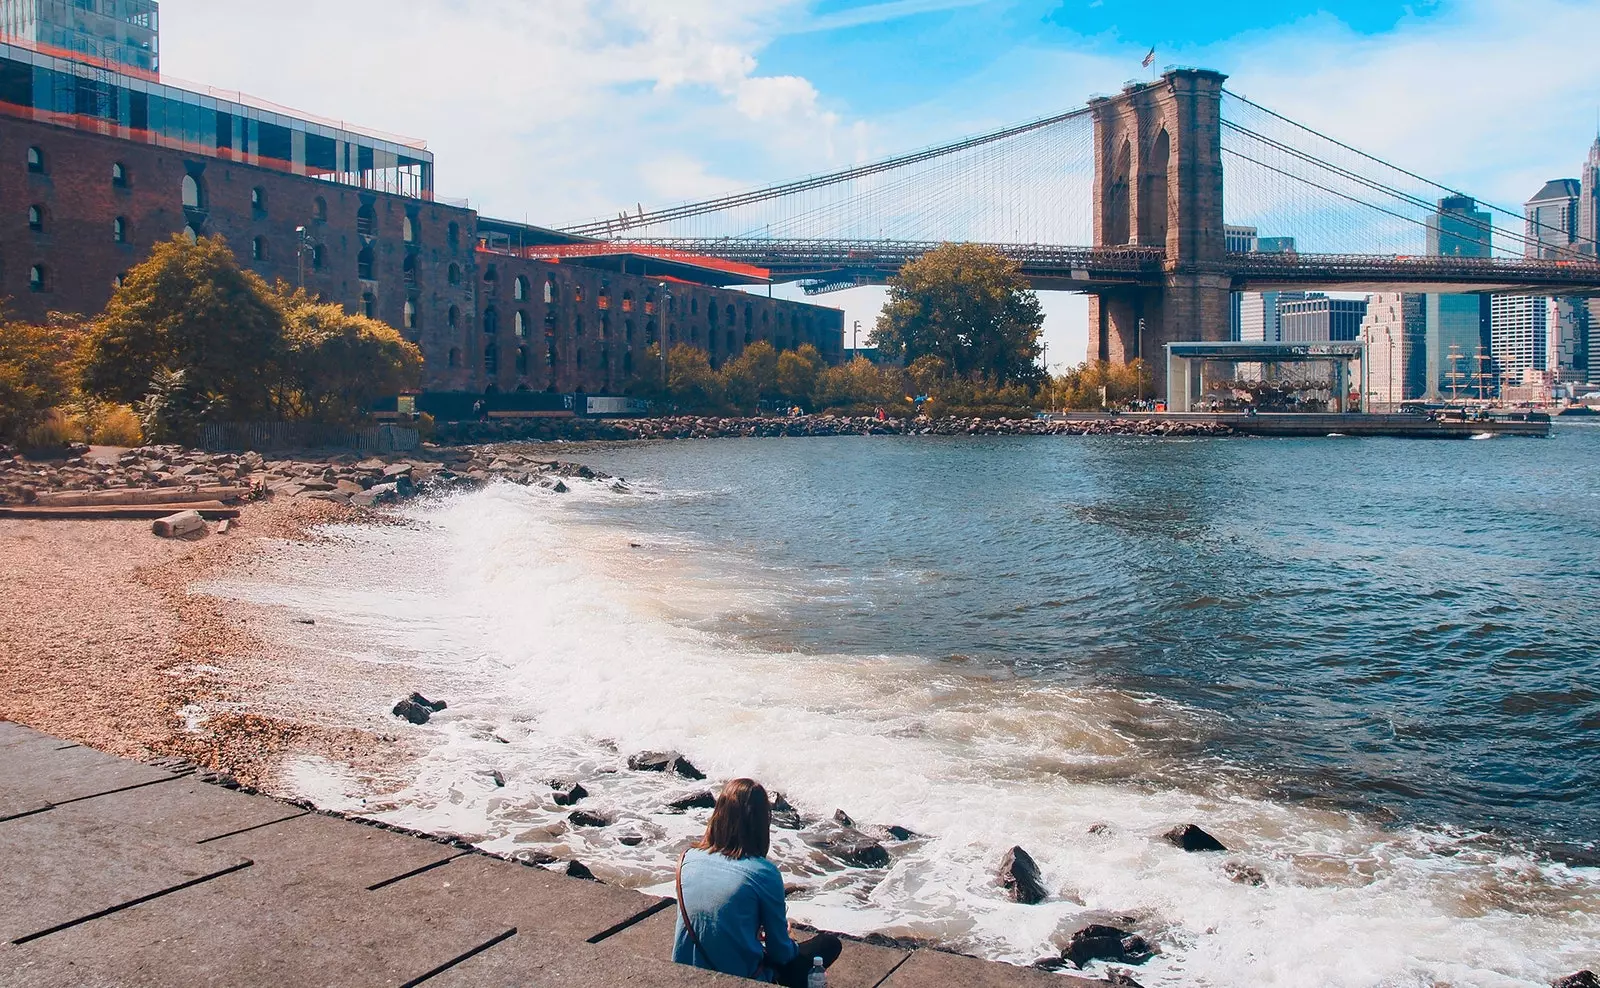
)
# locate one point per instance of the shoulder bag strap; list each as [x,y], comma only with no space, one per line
[683,913]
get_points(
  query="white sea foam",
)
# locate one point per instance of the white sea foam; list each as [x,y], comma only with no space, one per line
[566,648]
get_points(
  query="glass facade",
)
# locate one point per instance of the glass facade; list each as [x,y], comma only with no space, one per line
[70,93]
[1457,325]
[125,32]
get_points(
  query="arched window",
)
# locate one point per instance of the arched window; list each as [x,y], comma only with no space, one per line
[258,200]
[602,301]
[408,228]
[577,293]
[455,356]
[490,275]
[764,315]
[411,313]
[194,197]
[367,221]
[258,249]
[36,277]
[491,360]
[453,235]
[550,292]
[408,270]
[627,301]
[749,316]
[521,324]
[605,326]
[580,358]
[522,361]
[519,289]
[627,364]
[319,209]
[190,235]
[577,325]
[36,219]
[369,305]
[36,161]
[454,274]
[749,337]
[119,175]
[119,279]
[733,316]
[319,256]
[491,321]
[711,310]
[452,318]
[364,263]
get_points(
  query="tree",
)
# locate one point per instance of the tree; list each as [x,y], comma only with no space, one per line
[690,379]
[189,308]
[336,364]
[752,375]
[859,382]
[36,373]
[968,305]
[797,373]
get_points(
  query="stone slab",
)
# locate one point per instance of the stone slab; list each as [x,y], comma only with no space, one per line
[57,871]
[12,733]
[186,809]
[328,848]
[61,775]
[527,898]
[528,959]
[936,969]
[250,929]
[15,804]
[650,937]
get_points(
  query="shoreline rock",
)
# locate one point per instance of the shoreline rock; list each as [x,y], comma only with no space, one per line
[1019,876]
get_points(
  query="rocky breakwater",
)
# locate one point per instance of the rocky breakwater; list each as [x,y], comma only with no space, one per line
[155,475]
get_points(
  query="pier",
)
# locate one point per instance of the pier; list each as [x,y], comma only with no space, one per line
[122,873]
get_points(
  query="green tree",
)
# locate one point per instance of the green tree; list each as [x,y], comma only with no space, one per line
[797,373]
[690,380]
[36,373]
[860,382]
[336,365]
[968,305]
[751,376]
[189,308]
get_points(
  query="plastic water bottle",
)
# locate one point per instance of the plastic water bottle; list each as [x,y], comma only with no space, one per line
[818,978]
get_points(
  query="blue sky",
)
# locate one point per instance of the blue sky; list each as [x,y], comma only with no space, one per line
[560,110]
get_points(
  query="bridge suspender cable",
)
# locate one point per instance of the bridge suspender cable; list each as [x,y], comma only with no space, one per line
[692,209]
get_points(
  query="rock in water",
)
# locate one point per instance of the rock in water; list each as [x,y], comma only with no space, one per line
[433,705]
[787,819]
[1019,875]
[181,525]
[583,818]
[702,800]
[664,761]
[568,793]
[1106,943]
[412,711]
[1192,838]
[1246,875]
[843,819]
[577,869]
[1583,979]
[499,779]
[850,846]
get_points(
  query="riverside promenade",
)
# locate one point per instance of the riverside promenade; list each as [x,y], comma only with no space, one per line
[119,873]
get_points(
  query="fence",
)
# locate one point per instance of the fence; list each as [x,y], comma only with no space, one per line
[235,436]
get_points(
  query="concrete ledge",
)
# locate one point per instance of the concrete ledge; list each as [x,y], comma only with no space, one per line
[317,848]
[936,969]
[38,772]
[185,809]
[528,959]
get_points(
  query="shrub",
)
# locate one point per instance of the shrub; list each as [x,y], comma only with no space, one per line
[114,425]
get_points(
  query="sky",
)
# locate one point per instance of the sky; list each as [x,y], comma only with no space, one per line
[554,111]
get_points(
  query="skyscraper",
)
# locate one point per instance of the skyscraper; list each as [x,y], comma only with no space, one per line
[1552,216]
[1456,324]
[1395,334]
[1521,335]
[1589,201]
[1320,319]
[126,32]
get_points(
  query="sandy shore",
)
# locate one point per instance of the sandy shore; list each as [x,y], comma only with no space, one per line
[104,643]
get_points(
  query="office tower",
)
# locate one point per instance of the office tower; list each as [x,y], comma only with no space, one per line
[1456,324]
[1319,319]
[1552,219]
[1395,333]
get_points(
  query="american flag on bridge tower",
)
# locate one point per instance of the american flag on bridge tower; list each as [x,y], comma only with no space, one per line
[1149,59]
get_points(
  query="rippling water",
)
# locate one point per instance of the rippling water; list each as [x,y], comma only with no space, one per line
[1365,665]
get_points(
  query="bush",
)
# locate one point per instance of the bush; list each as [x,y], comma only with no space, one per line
[113,425]
[52,429]
[36,374]
[336,364]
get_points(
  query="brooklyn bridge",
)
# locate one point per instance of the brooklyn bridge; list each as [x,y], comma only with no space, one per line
[1127,199]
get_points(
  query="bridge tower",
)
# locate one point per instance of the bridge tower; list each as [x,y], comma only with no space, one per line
[1158,183]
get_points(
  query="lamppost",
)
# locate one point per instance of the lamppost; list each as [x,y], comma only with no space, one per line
[855,339]
[1389,335]
[661,336]
[303,244]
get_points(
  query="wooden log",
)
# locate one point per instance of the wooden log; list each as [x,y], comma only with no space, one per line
[212,510]
[179,525]
[164,495]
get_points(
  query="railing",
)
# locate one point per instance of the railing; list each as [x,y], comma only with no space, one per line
[1466,270]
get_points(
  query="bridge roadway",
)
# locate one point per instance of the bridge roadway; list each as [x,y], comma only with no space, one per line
[119,873]
[832,264]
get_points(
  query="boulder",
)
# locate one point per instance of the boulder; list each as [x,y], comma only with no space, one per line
[567,794]
[1192,838]
[664,761]
[787,819]
[181,525]
[583,818]
[433,705]
[1019,876]
[576,869]
[843,819]
[1583,979]
[1106,943]
[499,779]
[412,711]
[1246,875]
[850,846]
[704,799]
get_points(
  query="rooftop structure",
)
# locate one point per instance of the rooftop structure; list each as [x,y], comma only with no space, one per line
[121,32]
[1186,362]
[58,87]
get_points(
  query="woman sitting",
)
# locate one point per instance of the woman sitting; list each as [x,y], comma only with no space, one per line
[731,915]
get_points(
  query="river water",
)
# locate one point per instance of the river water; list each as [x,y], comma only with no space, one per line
[1367,666]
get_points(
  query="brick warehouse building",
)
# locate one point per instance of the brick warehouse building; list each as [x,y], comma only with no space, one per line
[99,162]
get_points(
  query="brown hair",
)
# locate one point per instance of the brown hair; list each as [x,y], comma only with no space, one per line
[741,824]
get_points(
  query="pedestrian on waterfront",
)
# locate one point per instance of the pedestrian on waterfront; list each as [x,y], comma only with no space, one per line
[731,912]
